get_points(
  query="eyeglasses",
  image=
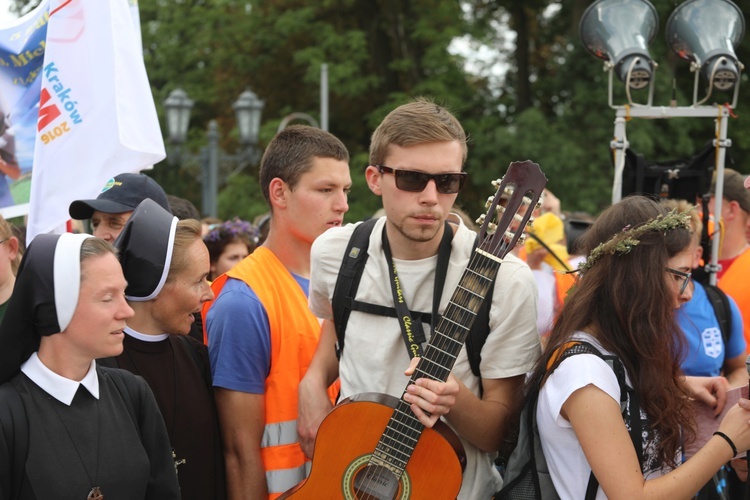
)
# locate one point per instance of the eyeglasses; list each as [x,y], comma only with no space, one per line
[680,275]
[415,182]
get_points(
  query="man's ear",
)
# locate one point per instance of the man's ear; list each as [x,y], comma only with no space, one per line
[697,255]
[278,192]
[374,177]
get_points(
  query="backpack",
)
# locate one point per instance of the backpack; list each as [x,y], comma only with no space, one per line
[345,291]
[527,476]
[722,309]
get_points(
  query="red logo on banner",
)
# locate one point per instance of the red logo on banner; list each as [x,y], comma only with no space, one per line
[48,113]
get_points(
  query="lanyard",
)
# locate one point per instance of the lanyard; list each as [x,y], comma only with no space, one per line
[411,328]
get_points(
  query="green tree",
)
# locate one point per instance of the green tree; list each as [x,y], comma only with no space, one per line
[551,107]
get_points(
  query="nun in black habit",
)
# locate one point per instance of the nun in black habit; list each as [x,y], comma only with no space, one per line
[69,428]
[165,263]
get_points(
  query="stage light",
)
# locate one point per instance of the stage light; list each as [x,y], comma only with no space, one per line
[706,32]
[619,31]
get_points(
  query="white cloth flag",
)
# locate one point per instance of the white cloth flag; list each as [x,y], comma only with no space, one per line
[97,116]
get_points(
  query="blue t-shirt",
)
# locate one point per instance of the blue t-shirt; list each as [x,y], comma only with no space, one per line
[706,352]
[239,337]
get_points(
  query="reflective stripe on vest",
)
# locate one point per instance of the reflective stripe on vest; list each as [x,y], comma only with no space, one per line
[281,480]
[279,433]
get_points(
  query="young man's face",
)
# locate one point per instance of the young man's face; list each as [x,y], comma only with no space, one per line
[320,198]
[417,216]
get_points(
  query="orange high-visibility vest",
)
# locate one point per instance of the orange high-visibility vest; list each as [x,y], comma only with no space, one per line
[295,332]
[733,282]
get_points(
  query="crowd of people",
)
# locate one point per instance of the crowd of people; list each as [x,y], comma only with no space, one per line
[169,356]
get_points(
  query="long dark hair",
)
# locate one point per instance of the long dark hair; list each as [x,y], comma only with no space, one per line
[624,300]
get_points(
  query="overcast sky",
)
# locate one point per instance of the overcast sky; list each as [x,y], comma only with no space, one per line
[5,14]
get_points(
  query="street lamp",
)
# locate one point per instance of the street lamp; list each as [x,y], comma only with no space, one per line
[178,107]
[247,108]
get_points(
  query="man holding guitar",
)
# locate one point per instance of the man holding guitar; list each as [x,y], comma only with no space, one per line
[416,161]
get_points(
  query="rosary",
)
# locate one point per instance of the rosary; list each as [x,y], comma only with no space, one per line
[95,494]
[177,463]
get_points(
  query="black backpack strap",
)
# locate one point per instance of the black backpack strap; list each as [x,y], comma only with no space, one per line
[347,283]
[479,331]
[350,273]
[628,398]
[722,310]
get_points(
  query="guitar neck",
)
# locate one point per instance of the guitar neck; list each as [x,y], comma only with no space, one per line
[459,315]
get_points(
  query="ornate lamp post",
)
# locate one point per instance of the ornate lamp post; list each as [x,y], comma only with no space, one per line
[247,108]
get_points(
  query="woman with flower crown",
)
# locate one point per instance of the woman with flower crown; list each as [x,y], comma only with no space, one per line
[623,305]
[228,243]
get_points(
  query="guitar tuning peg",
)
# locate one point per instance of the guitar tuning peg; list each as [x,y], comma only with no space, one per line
[521,239]
[480,219]
[491,228]
[500,210]
[530,224]
[496,183]
[488,204]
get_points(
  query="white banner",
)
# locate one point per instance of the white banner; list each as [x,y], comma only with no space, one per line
[97,116]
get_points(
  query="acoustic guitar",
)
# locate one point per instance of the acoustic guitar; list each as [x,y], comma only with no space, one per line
[372,446]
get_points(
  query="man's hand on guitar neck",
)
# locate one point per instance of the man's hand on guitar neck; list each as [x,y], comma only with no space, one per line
[430,399]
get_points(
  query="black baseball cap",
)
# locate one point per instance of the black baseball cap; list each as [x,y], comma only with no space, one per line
[122,193]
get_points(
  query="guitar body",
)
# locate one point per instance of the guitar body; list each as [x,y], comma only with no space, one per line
[347,438]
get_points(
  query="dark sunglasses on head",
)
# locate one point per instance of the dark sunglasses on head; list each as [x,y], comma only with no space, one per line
[410,180]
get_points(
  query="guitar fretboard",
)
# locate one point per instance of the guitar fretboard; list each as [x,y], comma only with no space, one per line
[404,429]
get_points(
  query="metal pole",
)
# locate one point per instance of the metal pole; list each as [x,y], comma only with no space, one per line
[209,203]
[619,145]
[324,96]
[721,144]
[205,194]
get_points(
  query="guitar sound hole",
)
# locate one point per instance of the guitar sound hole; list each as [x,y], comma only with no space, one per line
[375,482]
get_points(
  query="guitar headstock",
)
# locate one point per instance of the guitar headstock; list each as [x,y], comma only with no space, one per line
[510,209]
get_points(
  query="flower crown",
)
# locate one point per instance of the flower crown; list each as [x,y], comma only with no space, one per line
[624,241]
[232,228]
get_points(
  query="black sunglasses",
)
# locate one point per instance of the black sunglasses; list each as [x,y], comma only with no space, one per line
[409,180]
[681,275]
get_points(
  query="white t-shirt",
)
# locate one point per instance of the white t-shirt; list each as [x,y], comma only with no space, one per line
[547,286]
[569,469]
[375,357]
